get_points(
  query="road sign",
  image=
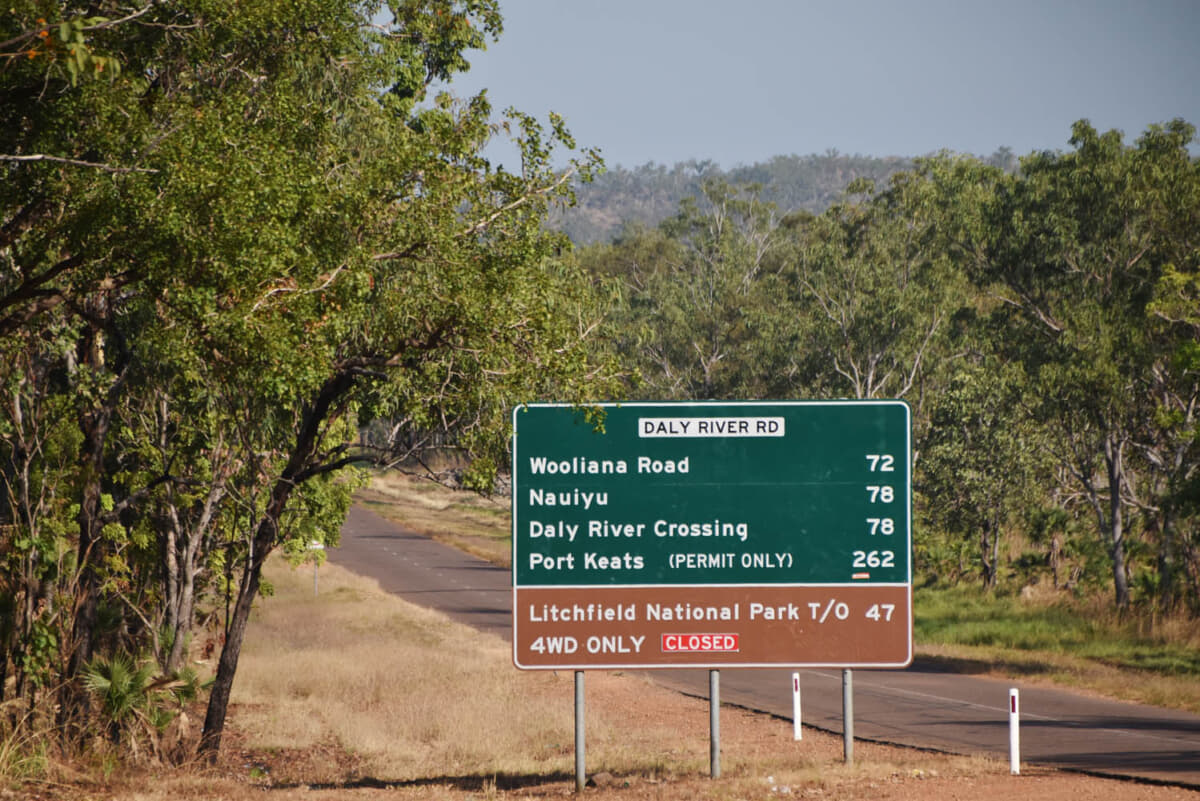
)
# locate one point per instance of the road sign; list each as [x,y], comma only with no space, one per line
[759,534]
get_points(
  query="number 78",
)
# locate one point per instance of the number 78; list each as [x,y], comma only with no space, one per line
[881,493]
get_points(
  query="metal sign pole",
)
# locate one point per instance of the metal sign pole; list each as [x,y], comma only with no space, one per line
[580,732]
[714,723]
[848,715]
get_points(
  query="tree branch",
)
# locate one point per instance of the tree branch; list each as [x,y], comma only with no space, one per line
[516,204]
[76,163]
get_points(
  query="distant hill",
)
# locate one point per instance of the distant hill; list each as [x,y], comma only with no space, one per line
[651,193]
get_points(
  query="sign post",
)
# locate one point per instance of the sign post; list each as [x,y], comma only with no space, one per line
[714,724]
[580,735]
[711,535]
[848,716]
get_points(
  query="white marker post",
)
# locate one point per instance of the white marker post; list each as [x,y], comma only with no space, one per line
[796,706]
[1014,733]
[316,545]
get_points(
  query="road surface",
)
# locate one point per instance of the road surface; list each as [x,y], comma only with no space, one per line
[921,706]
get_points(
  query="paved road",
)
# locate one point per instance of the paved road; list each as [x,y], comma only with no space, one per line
[921,706]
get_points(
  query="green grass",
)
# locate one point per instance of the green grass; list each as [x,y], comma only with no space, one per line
[1060,640]
[967,616]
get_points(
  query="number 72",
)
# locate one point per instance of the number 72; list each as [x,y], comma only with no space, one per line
[881,462]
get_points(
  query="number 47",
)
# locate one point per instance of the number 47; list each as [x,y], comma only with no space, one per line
[881,612]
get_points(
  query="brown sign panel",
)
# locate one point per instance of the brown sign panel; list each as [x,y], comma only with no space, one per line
[712,626]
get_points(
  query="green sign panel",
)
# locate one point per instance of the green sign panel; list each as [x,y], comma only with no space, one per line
[684,494]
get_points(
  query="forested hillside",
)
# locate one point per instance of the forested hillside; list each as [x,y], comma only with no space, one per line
[648,194]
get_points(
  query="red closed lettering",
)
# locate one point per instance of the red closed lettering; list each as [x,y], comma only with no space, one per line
[690,643]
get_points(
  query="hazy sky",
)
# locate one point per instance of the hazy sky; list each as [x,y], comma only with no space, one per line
[739,81]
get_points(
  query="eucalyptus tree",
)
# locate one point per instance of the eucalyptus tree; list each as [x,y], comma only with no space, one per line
[1076,257]
[980,467]
[1168,183]
[260,231]
[694,294]
[980,460]
[872,296]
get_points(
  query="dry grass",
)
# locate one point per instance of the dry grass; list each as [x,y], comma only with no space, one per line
[409,692]
[388,693]
[415,696]
[356,694]
[477,525]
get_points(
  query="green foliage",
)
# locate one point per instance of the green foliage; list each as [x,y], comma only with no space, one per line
[258,234]
[133,702]
[39,654]
[1039,318]
[121,687]
[873,301]
[691,298]
[317,512]
[58,47]
[979,461]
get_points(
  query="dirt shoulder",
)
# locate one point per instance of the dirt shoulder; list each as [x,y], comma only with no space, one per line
[760,760]
[355,694]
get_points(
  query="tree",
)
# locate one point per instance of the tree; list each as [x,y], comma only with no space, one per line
[1077,255]
[978,460]
[262,233]
[873,296]
[693,294]
[1168,179]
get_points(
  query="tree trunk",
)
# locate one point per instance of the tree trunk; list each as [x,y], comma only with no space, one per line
[1113,458]
[990,553]
[94,424]
[218,701]
[74,708]
[168,525]
[183,625]
[1166,563]
[266,537]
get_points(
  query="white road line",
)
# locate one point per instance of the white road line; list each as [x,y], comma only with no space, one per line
[1002,709]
